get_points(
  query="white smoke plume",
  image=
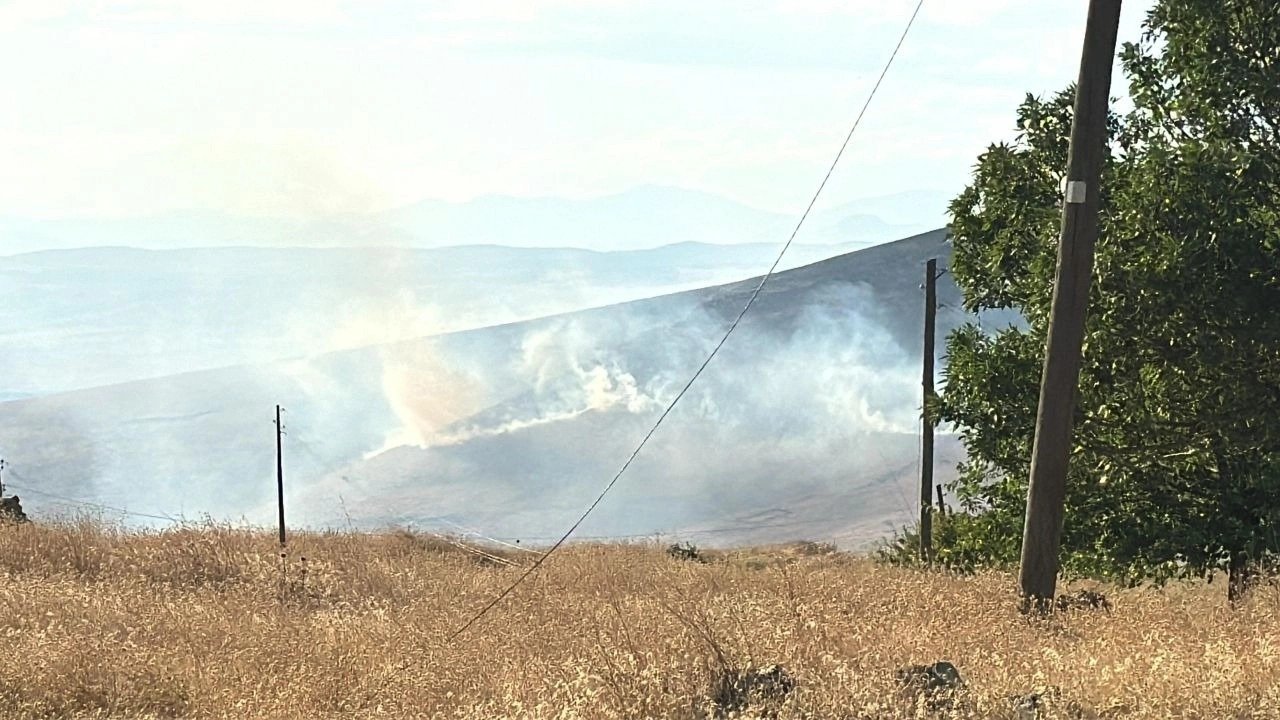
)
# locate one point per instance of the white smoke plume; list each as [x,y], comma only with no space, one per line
[426,395]
[833,373]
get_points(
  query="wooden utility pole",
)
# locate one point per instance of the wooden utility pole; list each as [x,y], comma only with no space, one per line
[1050,452]
[280,473]
[926,416]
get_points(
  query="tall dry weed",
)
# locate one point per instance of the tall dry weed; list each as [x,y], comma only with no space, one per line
[198,622]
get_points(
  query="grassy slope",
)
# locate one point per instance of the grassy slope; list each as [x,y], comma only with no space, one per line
[191,623]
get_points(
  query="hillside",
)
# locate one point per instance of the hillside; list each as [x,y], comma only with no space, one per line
[73,319]
[804,425]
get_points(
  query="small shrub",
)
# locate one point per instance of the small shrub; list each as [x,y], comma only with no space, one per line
[936,685]
[763,690]
[1083,600]
[961,544]
[687,551]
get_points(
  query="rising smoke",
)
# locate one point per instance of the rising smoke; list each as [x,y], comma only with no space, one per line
[518,429]
[805,421]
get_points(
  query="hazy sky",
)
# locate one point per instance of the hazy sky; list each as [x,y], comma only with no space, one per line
[293,107]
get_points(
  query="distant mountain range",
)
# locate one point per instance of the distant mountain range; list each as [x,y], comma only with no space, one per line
[652,216]
[804,426]
[73,319]
[642,218]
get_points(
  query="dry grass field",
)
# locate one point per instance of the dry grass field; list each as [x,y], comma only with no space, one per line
[196,623]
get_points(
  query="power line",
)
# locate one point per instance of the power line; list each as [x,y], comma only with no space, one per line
[714,351]
[686,533]
[743,526]
[476,533]
[473,550]
[86,503]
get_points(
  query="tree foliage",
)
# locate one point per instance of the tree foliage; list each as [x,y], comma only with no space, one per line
[1175,468]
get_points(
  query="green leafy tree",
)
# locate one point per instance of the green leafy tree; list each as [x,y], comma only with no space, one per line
[1175,468]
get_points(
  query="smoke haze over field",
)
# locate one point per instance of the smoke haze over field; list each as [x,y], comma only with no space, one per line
[77,319]
[804,425]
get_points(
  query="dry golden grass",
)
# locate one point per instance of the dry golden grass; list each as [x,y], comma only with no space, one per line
[196,623]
